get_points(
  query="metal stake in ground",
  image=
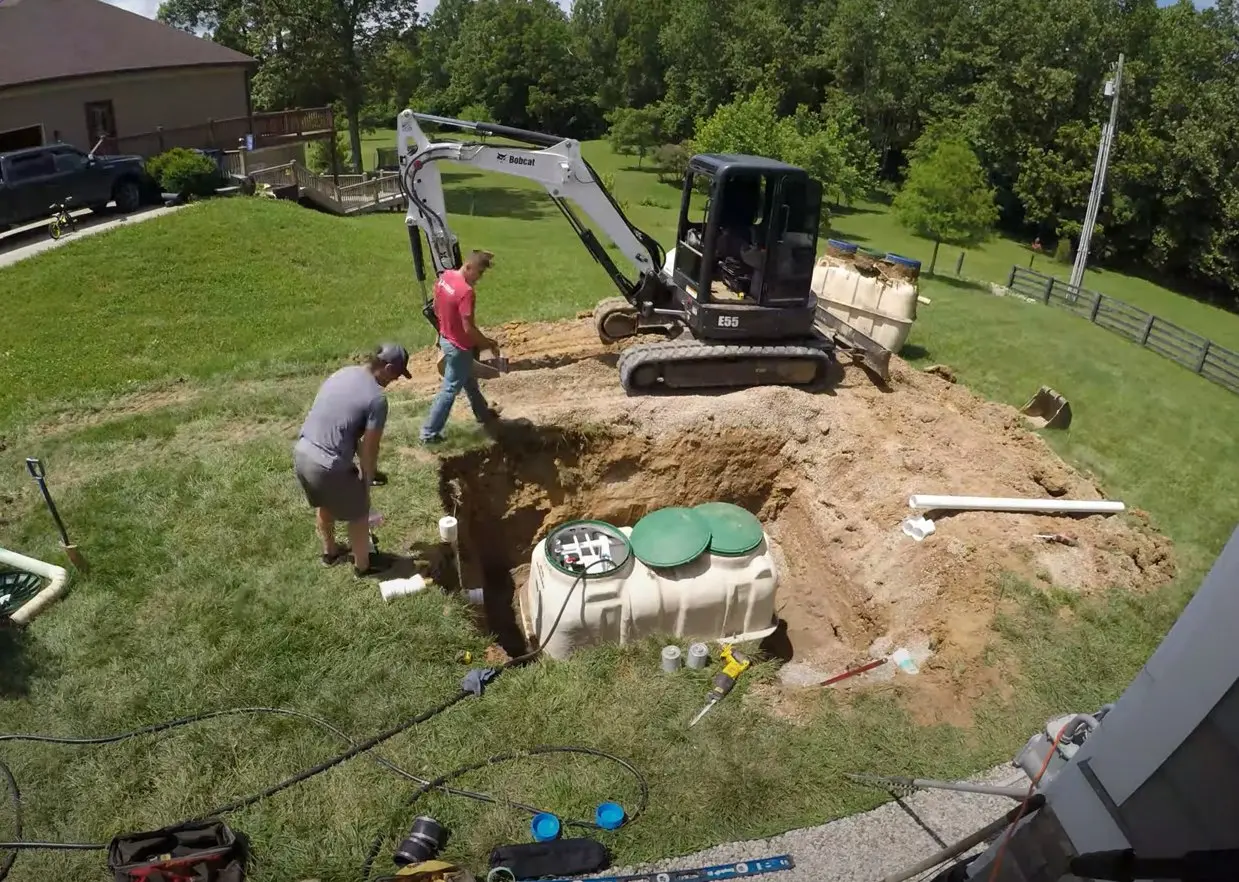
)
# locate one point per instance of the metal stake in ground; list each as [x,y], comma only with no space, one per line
[39,474]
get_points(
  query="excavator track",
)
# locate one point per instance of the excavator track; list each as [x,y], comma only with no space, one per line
[615,319]
[677,364]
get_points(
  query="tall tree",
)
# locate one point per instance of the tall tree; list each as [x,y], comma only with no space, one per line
[946,197]
[317,51]
[515,57]
[635,130]
[438,42]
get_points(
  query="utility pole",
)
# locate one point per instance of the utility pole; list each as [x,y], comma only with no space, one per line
[1099,179]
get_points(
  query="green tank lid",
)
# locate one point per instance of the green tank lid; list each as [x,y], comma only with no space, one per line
[734,531]
[670,537]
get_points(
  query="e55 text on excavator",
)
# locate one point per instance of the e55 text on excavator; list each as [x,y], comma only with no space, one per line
[732,301]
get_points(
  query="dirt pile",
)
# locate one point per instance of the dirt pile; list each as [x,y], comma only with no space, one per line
[828,473]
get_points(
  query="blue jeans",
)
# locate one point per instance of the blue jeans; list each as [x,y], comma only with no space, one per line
[457,375]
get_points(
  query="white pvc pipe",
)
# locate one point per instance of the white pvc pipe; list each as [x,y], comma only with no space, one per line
[997,503]
[34,605]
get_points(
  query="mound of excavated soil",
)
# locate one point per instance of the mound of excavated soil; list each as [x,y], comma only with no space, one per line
[828,473]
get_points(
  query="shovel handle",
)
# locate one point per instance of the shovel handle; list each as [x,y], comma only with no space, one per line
[38,473]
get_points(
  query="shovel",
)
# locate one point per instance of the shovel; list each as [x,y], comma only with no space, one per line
[37,472]
[483,368]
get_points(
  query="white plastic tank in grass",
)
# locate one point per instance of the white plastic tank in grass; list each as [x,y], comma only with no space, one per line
[703,573]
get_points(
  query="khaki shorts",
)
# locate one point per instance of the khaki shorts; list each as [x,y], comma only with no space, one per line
[339,490]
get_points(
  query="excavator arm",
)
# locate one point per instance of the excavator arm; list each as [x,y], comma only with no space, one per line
[651,303]
[558,166]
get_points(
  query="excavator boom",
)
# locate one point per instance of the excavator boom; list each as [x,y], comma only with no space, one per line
[726,344]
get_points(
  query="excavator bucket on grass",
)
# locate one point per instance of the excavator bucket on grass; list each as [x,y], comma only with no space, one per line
[1048,410]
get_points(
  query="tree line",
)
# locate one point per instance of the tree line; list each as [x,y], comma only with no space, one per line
[846,88]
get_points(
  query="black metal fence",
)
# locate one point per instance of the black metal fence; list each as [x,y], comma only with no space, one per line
[1194,352]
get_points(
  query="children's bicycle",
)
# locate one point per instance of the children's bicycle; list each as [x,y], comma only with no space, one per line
[61,219]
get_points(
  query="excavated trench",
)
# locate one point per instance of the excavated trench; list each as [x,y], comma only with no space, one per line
[507,497]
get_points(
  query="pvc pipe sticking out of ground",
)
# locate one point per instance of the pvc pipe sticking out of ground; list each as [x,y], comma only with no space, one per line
[58,576]
[997,503]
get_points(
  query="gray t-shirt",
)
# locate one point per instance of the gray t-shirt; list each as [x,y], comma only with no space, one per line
[348,403]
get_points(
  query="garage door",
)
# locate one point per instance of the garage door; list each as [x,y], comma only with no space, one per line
[20,139]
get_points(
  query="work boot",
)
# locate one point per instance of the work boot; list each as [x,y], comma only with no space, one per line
[378,566]
[330,560]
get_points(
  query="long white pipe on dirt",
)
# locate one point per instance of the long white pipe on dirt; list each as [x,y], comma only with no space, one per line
[998,503]
[58,576]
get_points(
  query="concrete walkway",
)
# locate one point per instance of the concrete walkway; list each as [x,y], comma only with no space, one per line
[869,846]
[22,242]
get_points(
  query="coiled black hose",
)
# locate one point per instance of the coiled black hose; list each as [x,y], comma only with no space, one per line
[427,786]
[356,747]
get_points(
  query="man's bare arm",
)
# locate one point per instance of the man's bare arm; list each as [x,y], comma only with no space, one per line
[369,453]
[479,339]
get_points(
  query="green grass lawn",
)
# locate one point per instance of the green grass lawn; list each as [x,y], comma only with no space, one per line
[372,140]
[873,225]
[205,591]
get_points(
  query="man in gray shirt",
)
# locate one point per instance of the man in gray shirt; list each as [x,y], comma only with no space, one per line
[347,421]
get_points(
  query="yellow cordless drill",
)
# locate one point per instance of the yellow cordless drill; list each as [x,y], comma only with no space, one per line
[735,663]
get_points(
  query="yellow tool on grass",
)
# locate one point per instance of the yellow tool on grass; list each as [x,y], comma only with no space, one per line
[735,663]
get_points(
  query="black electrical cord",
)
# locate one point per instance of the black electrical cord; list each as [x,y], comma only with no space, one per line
[356,748]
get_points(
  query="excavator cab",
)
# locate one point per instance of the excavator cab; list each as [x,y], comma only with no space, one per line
[746,247]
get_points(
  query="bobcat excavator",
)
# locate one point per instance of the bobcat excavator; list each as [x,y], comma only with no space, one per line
[731,301]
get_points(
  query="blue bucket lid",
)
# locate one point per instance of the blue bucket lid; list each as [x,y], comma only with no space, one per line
[544,827]
[904,261]
[609,816]
[841,245]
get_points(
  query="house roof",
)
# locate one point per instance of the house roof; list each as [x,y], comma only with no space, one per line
[62,39]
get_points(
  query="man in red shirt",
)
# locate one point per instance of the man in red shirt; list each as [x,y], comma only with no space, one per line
[459,338]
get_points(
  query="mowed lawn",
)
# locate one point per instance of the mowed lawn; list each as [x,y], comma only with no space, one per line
[161,372]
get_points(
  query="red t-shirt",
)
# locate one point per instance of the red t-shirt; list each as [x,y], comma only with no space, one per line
[454,304]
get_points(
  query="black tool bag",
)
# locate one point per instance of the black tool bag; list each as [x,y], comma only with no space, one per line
[198,851]
[559,857]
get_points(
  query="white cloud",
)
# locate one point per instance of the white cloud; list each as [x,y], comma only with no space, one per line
[147,8]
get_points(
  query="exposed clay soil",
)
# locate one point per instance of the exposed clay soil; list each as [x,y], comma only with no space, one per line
[828,473]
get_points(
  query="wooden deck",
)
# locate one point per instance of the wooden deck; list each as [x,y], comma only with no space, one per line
[267,129]
[353,194]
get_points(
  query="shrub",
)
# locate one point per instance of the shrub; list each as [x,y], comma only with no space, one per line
[608,182]
[319,153]
[476,113]
[634,130]
[1062,251]
[185,172]
[671,160]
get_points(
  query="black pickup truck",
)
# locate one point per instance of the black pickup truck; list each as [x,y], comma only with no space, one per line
[31,180]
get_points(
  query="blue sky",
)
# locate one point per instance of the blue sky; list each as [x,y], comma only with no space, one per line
[150,7]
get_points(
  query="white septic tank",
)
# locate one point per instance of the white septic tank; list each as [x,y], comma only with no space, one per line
[703,573]
[879,302]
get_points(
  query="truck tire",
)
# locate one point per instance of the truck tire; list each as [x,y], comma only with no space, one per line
[128,195]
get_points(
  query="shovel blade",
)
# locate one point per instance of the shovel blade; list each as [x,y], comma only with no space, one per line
[75,557]
[483,369]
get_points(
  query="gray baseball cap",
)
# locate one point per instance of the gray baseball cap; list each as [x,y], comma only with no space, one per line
[395,355]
